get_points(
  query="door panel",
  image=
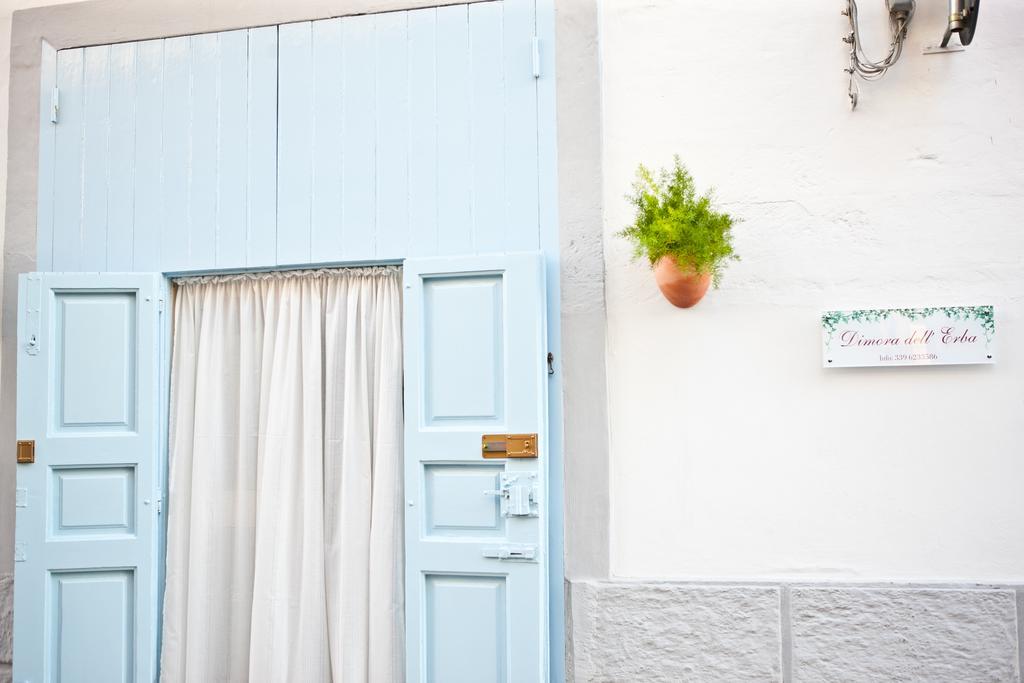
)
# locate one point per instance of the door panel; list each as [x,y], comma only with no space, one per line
[94,339]
[453,504]
[476,562]
[87,528]
[93,634]
[466,615]
[464,382]
[92,501]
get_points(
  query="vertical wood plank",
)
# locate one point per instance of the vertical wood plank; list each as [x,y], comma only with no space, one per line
[392,146]
[231,153]
[422,133]
[67,199]
[177,149]
[120,189]
[454,221]
[327,134]
[95,171]
[148,220]
[295,143]
[47,148]
[487,127]
[358,170]
[261,200]
[203,166]
[521,191]
[547,212]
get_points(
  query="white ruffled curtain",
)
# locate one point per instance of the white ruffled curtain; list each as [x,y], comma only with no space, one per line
[284,543]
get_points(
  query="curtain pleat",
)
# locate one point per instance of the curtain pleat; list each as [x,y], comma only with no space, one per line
[284,547]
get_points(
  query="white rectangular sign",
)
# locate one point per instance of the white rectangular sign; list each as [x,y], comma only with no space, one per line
[951,335]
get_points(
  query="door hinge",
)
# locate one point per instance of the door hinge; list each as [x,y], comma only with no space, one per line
[21,498]
[511,551]
[536,57]
[54,104]
[33,302]
[19,551]
[159,505]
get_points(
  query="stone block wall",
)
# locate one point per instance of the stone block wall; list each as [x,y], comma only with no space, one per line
[805,633]
[6,625]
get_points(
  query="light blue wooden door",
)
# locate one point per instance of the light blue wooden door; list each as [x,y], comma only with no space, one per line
[87,532]
[476,546]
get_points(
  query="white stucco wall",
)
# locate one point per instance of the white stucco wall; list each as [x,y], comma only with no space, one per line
[733,454]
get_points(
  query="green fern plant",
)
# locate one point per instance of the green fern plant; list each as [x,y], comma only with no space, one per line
[672,219]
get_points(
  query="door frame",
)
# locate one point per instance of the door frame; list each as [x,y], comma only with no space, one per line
[571,214]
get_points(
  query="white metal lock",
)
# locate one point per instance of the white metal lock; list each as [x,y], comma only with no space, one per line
[518,495]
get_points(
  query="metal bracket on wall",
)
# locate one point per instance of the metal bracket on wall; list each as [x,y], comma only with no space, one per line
[938,49]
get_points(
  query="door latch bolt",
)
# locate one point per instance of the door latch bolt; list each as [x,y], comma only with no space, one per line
[511,551]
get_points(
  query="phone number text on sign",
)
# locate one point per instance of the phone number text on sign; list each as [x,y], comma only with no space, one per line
[950,335]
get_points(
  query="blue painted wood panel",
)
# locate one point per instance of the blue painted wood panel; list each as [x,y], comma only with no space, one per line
[47,146]
[164,157]
[146,188]
[175,155]
[87,527]
[295,144]
[487,128]
[96,134]
[391,135]
[65,241]
[361,138]
[359,109]
[423,170]
[472,613]
[453,181]
[328,98]
[261,147]
[231,69]
[121,156]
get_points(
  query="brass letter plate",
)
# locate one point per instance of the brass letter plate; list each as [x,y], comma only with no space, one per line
[26,452]
[509,445]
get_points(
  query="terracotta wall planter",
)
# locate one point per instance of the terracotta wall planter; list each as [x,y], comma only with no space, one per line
[682,287]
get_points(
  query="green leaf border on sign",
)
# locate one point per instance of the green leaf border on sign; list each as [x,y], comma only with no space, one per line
[984,315]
